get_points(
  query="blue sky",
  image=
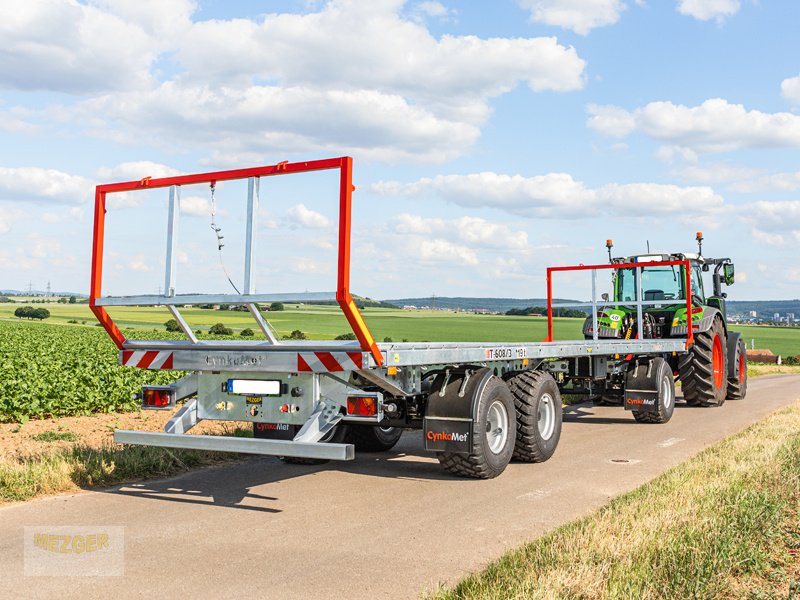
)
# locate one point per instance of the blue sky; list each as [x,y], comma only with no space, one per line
[490,139]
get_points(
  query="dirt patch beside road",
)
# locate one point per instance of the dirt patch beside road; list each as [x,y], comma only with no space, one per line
[92,430]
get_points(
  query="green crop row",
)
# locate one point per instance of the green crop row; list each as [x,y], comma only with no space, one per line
[52,371]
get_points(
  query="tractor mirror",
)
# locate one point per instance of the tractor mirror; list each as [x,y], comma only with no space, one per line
[727,272]
[604,296]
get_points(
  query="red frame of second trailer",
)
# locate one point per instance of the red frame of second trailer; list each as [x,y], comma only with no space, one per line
[667,263]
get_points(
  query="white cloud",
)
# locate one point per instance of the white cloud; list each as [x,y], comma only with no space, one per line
[714,126]
[716,173]
[267,119]
[790,89]
[138,262]
[706,10]
[388,89]
[9,216]
[196,206]
[775,181]
[301,215]
[774,216]
[307,265]
[43,185]
[580,16]
[135,171]
[65,46]
[370,46]
[470,230]
[768,239]
[773,223]
[439,250]
[558,195]
[610,120]
[433,9]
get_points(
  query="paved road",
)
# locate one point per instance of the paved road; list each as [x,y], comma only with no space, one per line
[383,526]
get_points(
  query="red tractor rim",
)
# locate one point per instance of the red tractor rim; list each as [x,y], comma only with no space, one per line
[741,368]
[717,362]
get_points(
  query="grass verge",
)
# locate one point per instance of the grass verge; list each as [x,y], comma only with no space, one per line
[81,466]
[721,525]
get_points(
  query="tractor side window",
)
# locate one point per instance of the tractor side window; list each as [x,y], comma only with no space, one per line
[697,283]
[626,285]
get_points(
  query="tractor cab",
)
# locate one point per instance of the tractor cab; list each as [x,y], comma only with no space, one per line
[663,292]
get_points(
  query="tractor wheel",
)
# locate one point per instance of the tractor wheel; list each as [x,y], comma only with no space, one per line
[371,438]
[737,386]
[538,404]
[702,369]
[493,440]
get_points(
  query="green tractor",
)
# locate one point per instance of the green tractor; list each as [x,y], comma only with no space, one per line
[714,367]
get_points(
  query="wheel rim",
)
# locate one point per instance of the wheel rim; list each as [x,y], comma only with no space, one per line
[742,370]
[666,391]
[546,417]
[497,427]
[717,362]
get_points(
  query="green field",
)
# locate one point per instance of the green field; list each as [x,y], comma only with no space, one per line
[326,322]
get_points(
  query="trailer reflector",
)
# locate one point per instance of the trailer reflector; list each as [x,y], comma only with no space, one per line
[362,406]
[157,397]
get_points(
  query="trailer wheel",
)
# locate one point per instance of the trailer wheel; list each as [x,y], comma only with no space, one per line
[337,435]
[665,405]
[702,369]
[372,438]
[494,435]
[737,387]
[538,406]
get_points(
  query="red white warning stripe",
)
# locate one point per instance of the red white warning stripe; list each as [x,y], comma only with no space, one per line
[146,359]
[328,362]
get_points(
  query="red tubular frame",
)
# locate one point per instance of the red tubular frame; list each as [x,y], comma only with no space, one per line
[346,188]
[685,263]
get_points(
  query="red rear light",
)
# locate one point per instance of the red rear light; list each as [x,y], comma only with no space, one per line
[157,398]
[696,310]
[362,406]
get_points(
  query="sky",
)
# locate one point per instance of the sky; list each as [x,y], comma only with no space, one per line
[490,140]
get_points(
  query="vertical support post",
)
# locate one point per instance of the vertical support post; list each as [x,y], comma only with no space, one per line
[96,284]
[249,249]
[689,314]
[639,324]
[343,296]
[549,337]
[172,236]
[594,305]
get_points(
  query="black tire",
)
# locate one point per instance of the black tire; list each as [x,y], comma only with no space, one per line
[337,435]
[665,405]
[737,386]
[483,462]
[702,384]
[371,438]
[539,414]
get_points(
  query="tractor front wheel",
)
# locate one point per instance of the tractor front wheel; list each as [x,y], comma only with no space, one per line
[703,368]
[737,386]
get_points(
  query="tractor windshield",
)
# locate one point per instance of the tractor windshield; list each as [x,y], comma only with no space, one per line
[658,283]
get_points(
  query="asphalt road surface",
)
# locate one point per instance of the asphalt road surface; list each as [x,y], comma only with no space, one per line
[383,526]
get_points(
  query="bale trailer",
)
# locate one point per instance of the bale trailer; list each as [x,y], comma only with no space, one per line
[478,405]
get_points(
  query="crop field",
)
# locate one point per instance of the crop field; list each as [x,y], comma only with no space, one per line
[48,370]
